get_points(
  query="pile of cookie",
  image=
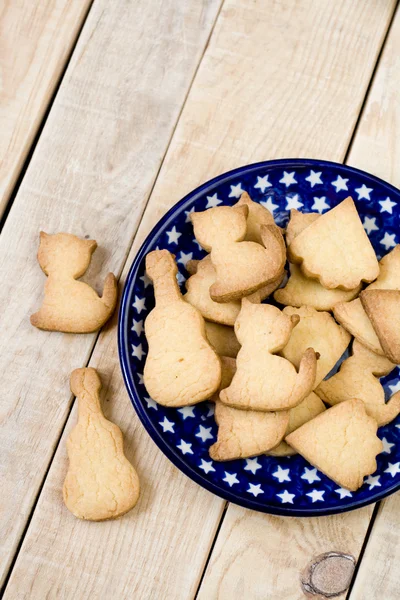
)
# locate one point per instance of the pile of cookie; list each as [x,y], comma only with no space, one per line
[264,367]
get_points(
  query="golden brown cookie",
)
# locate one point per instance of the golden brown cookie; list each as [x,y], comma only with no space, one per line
[298,221]
[221,230]
[309,408]
[383,310]
[257,217]
[303,291]
[323,249]
[223,339]
[341,443]
[101,483]
[357,377]
[264,381]
[264,292]
[316,330]
[71,306]
[181,367]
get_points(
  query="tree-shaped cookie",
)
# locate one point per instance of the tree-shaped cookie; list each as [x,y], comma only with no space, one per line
[71,306]
[244,433]
[335,249]
[357,377]
[181,367]
[264,381]
[241,267]
[101,483]
[257,217]
[341,443]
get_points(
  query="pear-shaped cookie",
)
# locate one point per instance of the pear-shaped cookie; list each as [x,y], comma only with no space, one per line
[335,249]
[101,483]
[341,443]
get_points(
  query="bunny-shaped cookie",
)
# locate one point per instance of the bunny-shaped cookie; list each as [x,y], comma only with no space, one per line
[71,306]
[241,267]
[264,381]
[181,366]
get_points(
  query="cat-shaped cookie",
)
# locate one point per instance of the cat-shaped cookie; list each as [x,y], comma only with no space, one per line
[241,267]
[181,367]
[264,381]
[71,306]
[101,483]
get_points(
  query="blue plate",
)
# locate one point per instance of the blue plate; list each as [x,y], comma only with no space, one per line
[284,486]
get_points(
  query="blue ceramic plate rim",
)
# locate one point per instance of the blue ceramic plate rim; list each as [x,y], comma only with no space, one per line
[123,351]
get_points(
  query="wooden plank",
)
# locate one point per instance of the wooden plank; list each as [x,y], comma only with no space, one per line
[162,554]
[36,41]
[91,174]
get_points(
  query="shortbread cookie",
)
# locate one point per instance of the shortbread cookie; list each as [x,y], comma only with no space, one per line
[71,306]
[298,221]
[301,290]
[316,330]
[264,381]
[181,367]
[341,443]
[383,310]
[223,339]
[257,217]
[311,406]
[357,377]
[335,249]
[241,267]
[198,295]
[101,483]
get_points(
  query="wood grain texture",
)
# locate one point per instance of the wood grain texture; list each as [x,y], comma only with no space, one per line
[159,549]
[36,39]
[90,175]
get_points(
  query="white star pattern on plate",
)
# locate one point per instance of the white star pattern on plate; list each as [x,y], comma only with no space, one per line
[256,490]
[388,240]
[340,183]
[288,178]
[151,403]
[364,192]
[197,244]
[146,280]
[286,498]
[320,204]
[204,433]
[184,258]
[167,425]
[139,304]
[387,446]
[314,178]
[137,327]
[211,409]
[316,495]
[184,447]
[186,411]
[252,465]
[213,201]
[293,202]
[393,469]
[173,236]
[395,388]
[263,183]
[230,478]
[344,493]
[282,474]
[180,278]
[387,205]
[373,481]
[310,475]
[188,213]
[140,375]
[370,224]
[236,191]
[270,205]
[137,351]
[206,466]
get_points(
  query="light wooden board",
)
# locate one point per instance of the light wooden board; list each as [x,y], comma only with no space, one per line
[36,40]
[174,519]
[91,174]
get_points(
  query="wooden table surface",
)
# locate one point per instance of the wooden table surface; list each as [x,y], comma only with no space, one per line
[110,112]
